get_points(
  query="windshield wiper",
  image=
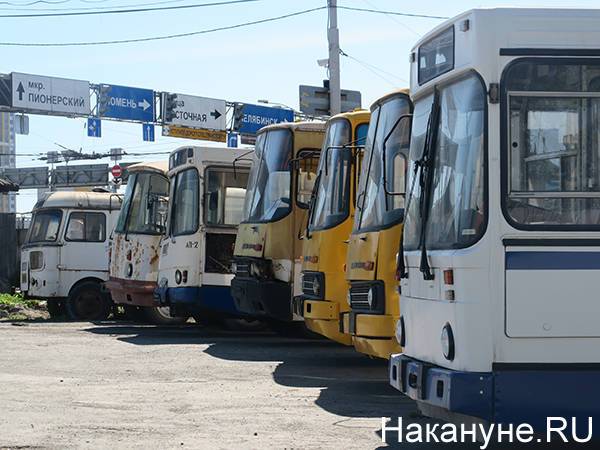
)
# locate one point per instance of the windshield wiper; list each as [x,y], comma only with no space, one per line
[311,206]
[426,181]
[423,166]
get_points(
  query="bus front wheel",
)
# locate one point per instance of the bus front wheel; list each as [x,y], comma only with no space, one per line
[88,302]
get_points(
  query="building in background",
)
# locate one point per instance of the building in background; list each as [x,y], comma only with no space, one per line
[8,202]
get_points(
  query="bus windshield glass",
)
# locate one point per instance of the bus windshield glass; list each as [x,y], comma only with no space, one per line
[185,206]
[145,204]
[377,209]
[45,225]
[553,149]
[332,201]
[224,198]
[268,195]
[456,210]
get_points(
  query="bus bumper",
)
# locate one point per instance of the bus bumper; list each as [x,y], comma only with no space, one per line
[263,298]
[132,292]
[323,317]
[372,334]
[195,300]
[510,393]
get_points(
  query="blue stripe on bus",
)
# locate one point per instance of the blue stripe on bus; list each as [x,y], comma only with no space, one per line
[552,260]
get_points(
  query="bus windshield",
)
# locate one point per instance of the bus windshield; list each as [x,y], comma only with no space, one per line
[332,200]
[44,226]
[376,209]
[268,195]
[145,204]
[456,213]
[185,192]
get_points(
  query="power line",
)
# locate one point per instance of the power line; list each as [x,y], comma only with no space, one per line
[35,3]
[89,8]
[375,69]
[124,11]
[392,18]
[158,38]
[392,13]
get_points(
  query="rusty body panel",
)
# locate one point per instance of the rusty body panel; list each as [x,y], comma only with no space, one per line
[134,257]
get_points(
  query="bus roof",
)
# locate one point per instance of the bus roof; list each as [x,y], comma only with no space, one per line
[386,97]
[80,200]
[151,166]
[356,114]
[295,126]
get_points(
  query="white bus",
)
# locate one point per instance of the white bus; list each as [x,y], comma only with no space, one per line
[208,186]
[501,249]
[133,272]
[65,257]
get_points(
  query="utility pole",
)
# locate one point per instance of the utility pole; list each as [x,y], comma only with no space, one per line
[333,37]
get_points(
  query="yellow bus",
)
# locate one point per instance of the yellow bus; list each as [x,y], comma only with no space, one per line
[329,225]
[268,244]
[371,260]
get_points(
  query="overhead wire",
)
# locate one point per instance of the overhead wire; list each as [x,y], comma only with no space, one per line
[392,13]
[90,8]
[395,20]
[124,11]
[374,69]
[159,38]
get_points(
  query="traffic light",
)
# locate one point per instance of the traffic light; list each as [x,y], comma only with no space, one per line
[102,102]
[169,106]
[238,116]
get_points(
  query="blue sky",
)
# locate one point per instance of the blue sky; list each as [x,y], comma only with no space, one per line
[266,61]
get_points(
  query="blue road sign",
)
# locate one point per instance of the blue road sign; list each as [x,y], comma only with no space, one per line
[148,132]
[255,117]
[122,102]
[94,127]
[232,140]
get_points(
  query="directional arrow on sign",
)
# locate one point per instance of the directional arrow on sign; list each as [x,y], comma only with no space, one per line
[216,114]
[144,104]
[20,90]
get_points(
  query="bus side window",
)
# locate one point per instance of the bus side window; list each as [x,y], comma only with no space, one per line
[86,227]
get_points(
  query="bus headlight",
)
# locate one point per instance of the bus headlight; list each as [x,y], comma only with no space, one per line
[401,332]
[349,298]
[448,342]
[316,287]
[234,267]
[370,298]
[178,276]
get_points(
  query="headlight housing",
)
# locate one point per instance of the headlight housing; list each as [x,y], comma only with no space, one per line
[401,332]
[313,285]
[178,276]
[316,287]
[447,339]
[370,298]
[260,268]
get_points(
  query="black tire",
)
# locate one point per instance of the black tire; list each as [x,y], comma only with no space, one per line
[56,309]
[160,316]
[88,302]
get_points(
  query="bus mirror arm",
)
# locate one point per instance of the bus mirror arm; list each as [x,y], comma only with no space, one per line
[384,150]
[240,158]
